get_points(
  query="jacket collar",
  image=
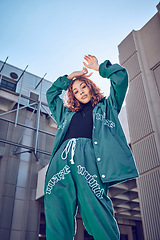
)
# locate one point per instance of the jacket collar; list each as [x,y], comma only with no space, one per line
[102,99]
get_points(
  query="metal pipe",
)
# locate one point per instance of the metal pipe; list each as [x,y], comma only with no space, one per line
[45,104]
[24,146]
[22,73]
[3,64]
[19,94]
[38,118]
[40,81]
[37,128]
[2,114]
[31,104]
[22,125]
[48,113]
[14,152]
[17,153]
[19,97]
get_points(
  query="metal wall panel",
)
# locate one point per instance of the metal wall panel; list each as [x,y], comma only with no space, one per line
[9,68]
[137,111]
[27,83]
[132,66]
[149,186]
[126,48]
[146,154]
[150,35]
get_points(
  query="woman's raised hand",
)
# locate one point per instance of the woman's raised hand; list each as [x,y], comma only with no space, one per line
[92,62]
[83,72]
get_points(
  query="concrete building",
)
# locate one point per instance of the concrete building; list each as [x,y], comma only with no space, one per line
[27,133]
[139,53]
[26,139]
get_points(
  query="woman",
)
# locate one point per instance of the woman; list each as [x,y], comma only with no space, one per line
[90,153]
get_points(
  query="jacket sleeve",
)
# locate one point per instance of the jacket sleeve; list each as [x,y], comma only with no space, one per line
[55,103]
[119,83]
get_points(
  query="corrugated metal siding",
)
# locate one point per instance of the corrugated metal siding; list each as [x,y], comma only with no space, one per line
[126,48]
[29,83]
[137,111]
[8,69]
[132,66]
[149,186]
[146,154]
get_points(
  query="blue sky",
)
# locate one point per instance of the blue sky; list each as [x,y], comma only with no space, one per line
[52,36]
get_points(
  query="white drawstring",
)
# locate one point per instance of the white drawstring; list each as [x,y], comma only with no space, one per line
[72,143]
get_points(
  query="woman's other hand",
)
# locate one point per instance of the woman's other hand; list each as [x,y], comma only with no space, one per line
[92,62]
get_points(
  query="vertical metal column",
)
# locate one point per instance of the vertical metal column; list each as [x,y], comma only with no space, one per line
[14,152]
[22,76]
[38,119]
[3,64]
[2,69]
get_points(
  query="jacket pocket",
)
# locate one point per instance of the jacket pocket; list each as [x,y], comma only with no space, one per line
[123,145]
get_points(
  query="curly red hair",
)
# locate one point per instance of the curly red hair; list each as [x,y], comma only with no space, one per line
[73,104]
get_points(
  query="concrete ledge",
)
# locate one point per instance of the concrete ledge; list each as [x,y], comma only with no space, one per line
[40,182]
[52,123]
[7,100]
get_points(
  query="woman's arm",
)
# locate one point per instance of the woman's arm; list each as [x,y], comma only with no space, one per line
[119,82]
[55,103]
[118,76]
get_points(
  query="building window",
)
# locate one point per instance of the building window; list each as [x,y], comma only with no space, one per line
[33,97]
[8,85]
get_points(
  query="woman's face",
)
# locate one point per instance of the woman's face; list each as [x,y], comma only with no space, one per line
[81,91]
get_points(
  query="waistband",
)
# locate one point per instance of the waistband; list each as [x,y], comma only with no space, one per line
[71,146]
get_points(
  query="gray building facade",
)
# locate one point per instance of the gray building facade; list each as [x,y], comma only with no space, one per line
[26,140]
[139,53]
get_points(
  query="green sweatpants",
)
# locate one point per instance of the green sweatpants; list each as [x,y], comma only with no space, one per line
[72,180]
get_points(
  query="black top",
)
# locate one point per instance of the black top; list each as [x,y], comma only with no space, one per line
[81,123]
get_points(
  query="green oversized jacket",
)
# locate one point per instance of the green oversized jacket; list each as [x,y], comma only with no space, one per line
[115,162]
